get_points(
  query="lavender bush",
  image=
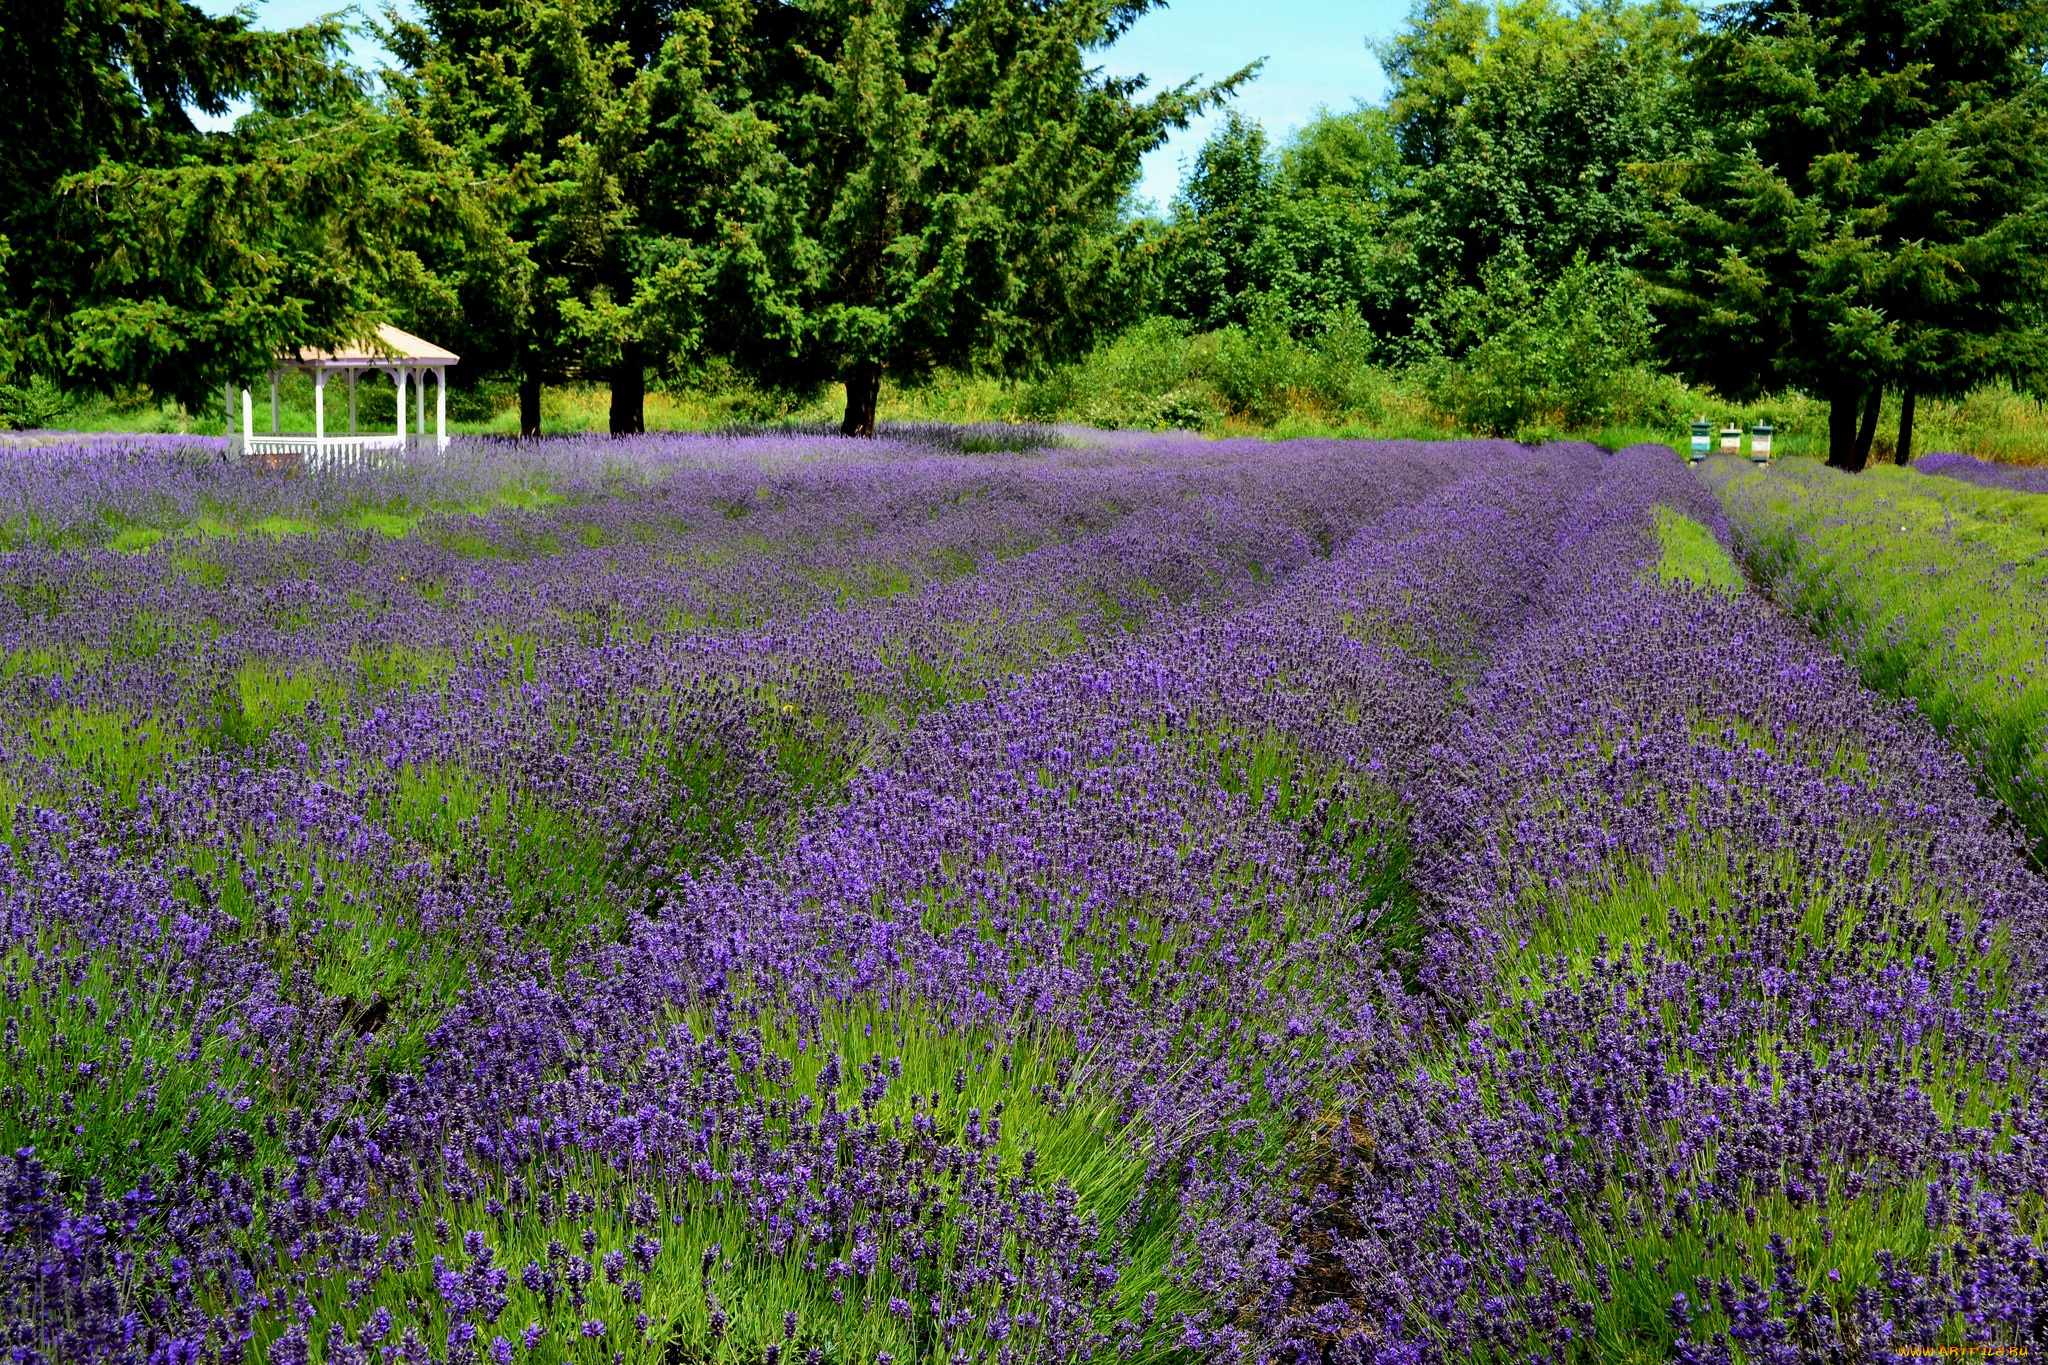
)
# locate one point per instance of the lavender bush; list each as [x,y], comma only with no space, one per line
[1934,588]
[738,899]
[1985,473]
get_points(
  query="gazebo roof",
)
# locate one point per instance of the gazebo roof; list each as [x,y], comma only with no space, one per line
[389,344]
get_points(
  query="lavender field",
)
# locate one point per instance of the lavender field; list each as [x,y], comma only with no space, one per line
[772,899]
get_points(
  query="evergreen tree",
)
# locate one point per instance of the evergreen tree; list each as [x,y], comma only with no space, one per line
[1967,267]
[542,98]
[299,231]
[1866,207]
[103,171]
[145,253]
[713,247]
[938,184]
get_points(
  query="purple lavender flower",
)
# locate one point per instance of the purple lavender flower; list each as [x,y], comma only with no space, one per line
[1987,473]
[950,888]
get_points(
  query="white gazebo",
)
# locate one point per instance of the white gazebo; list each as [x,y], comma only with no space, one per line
[401,355]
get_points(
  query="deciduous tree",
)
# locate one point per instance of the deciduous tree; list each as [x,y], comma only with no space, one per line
[1522,123]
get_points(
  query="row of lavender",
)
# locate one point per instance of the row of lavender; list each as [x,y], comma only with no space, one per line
[1984,473]
[1458,946]
[641,677]
[1747,984]
[1935,589]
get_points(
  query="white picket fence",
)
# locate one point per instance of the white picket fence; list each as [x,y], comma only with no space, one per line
[332,454]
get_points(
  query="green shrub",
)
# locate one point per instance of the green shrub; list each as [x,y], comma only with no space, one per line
[35,403]
[1261,372]
[1155,376]
[1518,353]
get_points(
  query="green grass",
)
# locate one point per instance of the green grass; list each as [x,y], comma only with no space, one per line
[45,663]
[1688,553]
[115,752]
[278,527]
[167,1081]
[402,516]
[390,523]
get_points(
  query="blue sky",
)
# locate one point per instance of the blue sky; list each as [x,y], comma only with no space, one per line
[1315,56]
[1315,53]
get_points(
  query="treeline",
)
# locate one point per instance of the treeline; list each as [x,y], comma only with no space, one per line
[827,189]
[1553,207]
[1840,197]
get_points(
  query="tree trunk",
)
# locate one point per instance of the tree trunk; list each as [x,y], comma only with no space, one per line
[629,392]
[1904,454]
[529,400]
[863,395]
[1873,404]
[1842,404]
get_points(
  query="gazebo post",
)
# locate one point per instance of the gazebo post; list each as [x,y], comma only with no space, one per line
[398,378]
[248,419]
[419,401]
[320,405]
[440,407]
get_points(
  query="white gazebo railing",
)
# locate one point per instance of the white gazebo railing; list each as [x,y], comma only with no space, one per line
[404,357]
